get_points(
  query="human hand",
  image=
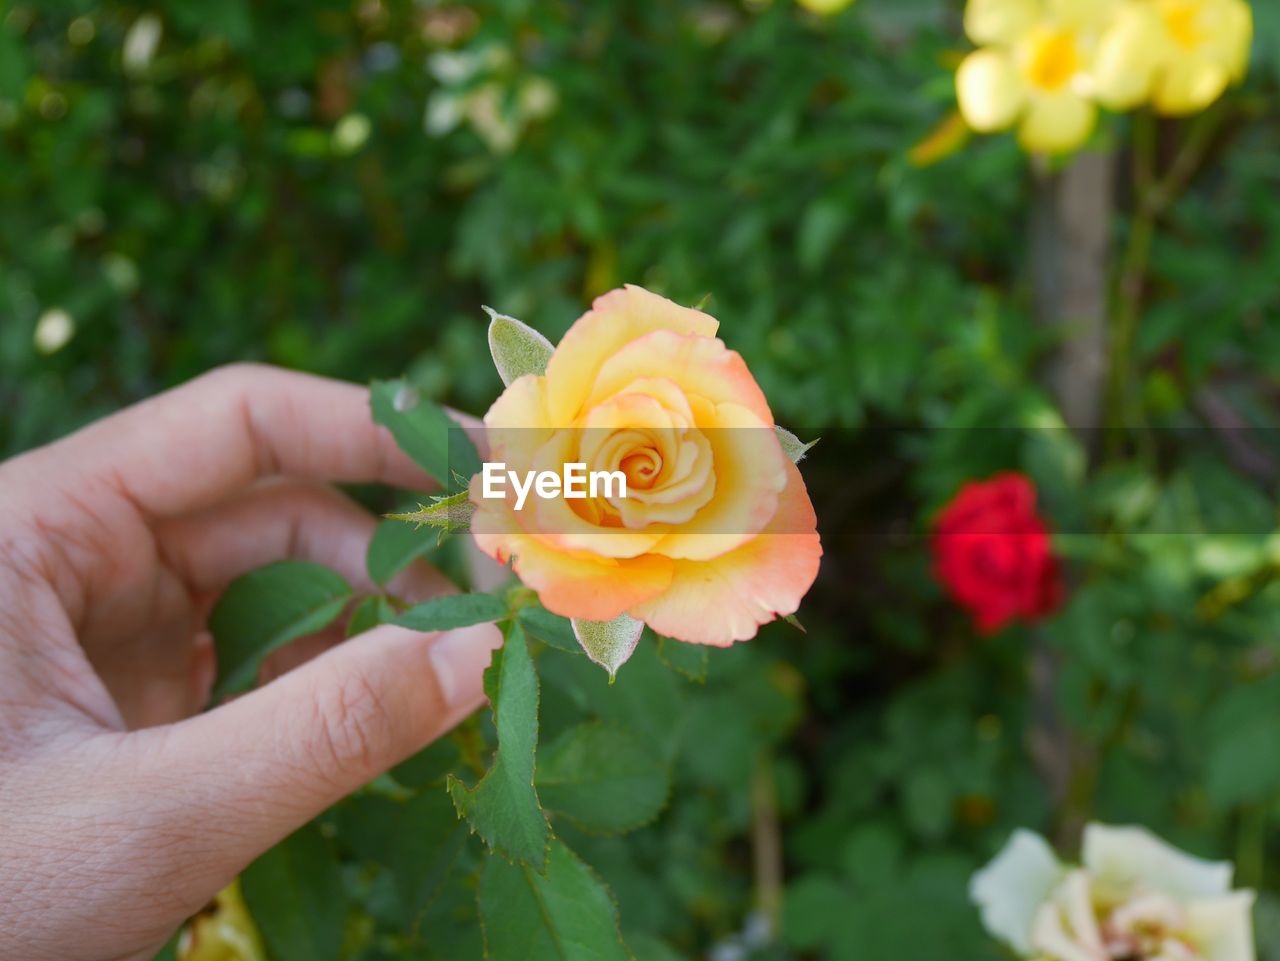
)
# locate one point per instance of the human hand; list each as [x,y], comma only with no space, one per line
[122,810]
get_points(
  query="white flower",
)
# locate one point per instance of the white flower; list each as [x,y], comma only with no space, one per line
[140,43]
[1134,898]
[54,330]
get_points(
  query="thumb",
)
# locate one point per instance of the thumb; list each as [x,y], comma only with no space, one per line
[257,768]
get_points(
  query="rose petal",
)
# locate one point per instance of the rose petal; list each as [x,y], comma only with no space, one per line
[615,320]
[563,528]
[726,599]
[702,366]
[750,472]
[1122,858]
[572,584]
[1012,887]
[1222,928]
[516,425]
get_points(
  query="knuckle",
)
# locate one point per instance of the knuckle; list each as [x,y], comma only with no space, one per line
[352,729]
[236,374]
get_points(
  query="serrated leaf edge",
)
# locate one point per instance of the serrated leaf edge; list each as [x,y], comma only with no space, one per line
[643,822]
[613,899]
[453,779]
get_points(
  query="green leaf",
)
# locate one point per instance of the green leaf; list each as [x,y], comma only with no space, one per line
[927,802]
[453,611]
[369,613]
[503,808]
[603,777]
[691,660]
[812,911]
[793,446]
[648,948]
[926,915]
[568,915]
[920,918]
[14,65]
[449,514]
[609,643]
[393,547]
[872,853]
[820,228]
[295,895]
[425,432]
[549,628]
[1244,770]
[417,839]
[516,347]
[429,765]
[652,701]
[229,20]
[266,609]
[1241,768]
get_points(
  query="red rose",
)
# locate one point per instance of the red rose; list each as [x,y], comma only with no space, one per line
[993,554]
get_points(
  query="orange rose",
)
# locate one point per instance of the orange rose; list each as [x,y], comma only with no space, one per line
[715,534]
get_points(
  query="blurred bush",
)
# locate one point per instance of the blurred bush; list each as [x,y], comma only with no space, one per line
[338,186]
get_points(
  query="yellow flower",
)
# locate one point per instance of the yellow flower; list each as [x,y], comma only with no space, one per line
[1034,75]
[223,931]
[825,8]
[1000,21]
[1179,54]
[711,535]
[1004,22]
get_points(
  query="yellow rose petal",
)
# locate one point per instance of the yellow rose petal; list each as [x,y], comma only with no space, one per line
[750,585]
[700,366]
[749,474]
[615,320]
[570,583]
[561,526]
[990,91]
[641,386]
[1057,123]
[690,482]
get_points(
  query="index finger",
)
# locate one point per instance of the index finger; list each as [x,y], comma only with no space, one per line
[195,445]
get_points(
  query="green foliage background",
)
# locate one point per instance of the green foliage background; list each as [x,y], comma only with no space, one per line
[209,208]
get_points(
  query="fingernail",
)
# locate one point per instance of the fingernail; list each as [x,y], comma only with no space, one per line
[460,658]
